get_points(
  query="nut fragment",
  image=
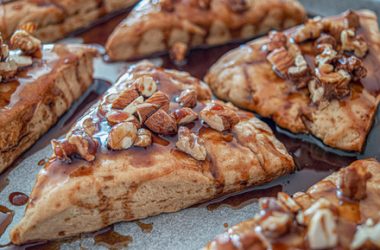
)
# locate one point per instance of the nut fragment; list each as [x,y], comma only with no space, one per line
[145,110]
[287,201]
[311,30]
[178,52]
[307,214]
[276,40]
[188,98]
[354,66]
[89,126]
[281,61]
[352,182]
[122,136]
[326,39]
[322,230]
[335,83]
[219,117]
[351,42]
[125,98]
[132,107]
[24,41]
[300,72]
[162,123]
[275,224]
[367,236]
[117,116]
[8,70]
[4,50]
[327,54]
[191,144]
[146,85]
[160,99]
[144,138]
[184,116]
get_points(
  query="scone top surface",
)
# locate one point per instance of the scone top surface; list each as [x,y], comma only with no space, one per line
[319,78]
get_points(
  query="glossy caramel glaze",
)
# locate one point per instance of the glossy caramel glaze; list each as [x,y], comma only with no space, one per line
[245,77]
[351,214]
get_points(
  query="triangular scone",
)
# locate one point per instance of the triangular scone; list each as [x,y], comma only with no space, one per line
[156,26]
[320,78]
[170,161]
[35,90]
[55,18]
[339,212]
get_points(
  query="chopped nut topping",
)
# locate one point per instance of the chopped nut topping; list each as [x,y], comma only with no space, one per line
[76,144]
[122,136]
[271,204]
[132,107]
[191,144]
[335,83]
[219,117]
[184,116]
[352,182]
[276,40]
[238,6]
[188,98]
[160,99]
[327,54]
[311,30]
[300,72]
[161,123]
[146,85]
[145,110]
[276,224]
[8,70]
[367,236]
[326,39]
[89,126]
[24,41]
[178,52]
[281,61]
[322,230]
[125,98]
[350,42]
[287,201]
[322,203]
[317,92]
[144,138]
[117,116]
[354,66]
[4,50]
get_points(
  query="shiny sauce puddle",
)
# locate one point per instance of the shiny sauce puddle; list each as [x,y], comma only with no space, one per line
[313,162]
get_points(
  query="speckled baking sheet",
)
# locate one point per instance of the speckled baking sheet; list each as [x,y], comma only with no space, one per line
[193,227]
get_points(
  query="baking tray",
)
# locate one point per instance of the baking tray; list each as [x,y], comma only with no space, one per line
[191,228]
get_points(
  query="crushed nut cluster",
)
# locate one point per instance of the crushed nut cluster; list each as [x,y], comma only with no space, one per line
[21,40]
[338,60]
[319,217]
[139,111]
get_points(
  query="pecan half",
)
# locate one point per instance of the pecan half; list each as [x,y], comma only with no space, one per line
[300,72]
[191,144]
[281,61]
[275,224]
[353,182]
[219,117]
[125,98]
[288,202]
[276,40]
[184,116]
[310,30]
[188,98]
[351,42]
[161,123]
[160,99]
[122,136]
[144,138]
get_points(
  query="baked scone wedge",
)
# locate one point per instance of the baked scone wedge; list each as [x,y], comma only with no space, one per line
[339,212]
[168,162]
[55,18]
[37,85]
[157,26]
[321,78]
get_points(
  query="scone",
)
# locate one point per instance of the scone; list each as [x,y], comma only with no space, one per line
[37,85]
[176,25]
[155,143]
[55,18]
[339,212]
[320,78]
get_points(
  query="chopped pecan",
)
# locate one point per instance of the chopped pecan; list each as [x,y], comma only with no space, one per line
[117,116]
[191,144]
[352,182]
[288,202]
[238,6]
[188,98]
[352,65]
[327,54]
[336,84]
[351,42]
[27,43]
[145,110]
[326,39]
[146,85]
[317,92]
[304,217]
[184,116]
[125,98]
[89,126]
[122,136]
[310,30]
[161,123]
[132,107]
[300,72]
[144,138]
[160,99]
[367,236]
[219,117]
[281,61]
[275,224]
[178,52]
[276,40]
[8,70]
[322,230]
[271,204]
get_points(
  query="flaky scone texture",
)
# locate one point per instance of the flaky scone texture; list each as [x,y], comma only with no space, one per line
[138,182]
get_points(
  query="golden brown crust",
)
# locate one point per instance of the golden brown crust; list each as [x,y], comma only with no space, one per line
[155,26]
[138,182]
[55,18]
[245,77]
[32,103]
[323,195]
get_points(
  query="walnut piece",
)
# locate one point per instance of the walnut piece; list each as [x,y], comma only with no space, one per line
[178,52]
[188,98]
[160,99]
[146,85]
[219,117]
[184,116]
[367,236]
[122,136]
[161,123]
[125,98]
[281,61]
[322,230]
[191,144]
[310,30]
[24,41]
[352,182]
[351,42]
[275,224]
[144,138]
